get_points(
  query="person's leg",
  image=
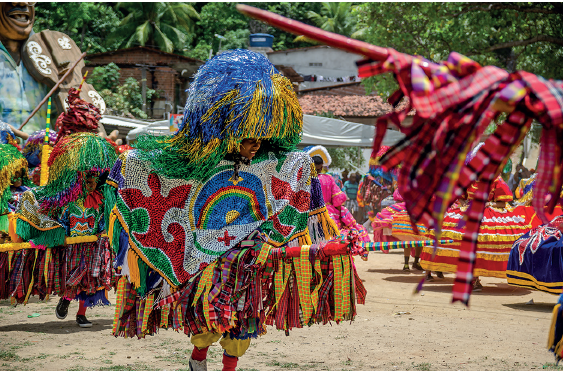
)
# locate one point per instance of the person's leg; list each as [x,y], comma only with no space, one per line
[232,350]
[407,256]
[416,264]
[477,286]
[81,316]
[201,342]
[61,311]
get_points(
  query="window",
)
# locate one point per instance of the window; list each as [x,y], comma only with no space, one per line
[316,64]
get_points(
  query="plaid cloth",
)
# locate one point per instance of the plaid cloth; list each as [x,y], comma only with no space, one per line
[243,292]
[455,102]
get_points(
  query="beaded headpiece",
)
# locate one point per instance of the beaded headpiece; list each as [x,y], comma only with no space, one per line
[321,152]
[236,95]
[33,145]
[81,116]
[73,159]
[11,160]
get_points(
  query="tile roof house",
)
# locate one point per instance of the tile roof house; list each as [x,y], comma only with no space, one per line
[169,73]
[348,101]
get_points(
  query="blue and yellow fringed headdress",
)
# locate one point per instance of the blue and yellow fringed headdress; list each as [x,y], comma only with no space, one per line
[236,95]
[75,158]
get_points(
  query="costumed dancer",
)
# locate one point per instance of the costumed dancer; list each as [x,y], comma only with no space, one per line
[501,226]
[394,224]
[202,219]
[33,149]
[13,182]
[524,194]
[376,186]
[69,205]
[536,258]
[80,116]
[333,196]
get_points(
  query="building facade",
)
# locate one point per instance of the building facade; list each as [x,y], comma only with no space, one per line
[321,61]
[165,72]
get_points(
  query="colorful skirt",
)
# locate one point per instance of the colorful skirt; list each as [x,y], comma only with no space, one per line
[245,290]
[536,259]
[498,232]
[396,222]
[78,271]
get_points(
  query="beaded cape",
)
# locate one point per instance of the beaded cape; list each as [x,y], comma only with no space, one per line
[180,226]
[64,207]
[11,160]
[178,199]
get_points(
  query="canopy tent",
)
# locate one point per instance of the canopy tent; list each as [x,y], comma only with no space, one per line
[316,131]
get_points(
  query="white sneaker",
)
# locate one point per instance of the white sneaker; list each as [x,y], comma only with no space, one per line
[196,365]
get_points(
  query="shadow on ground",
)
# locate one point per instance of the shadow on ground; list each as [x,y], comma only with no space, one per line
[58,327]
[540,307]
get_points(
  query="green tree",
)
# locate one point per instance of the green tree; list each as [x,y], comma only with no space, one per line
[105,77]
[346,157]
[514,36]
[223,19]
[126,99]
[339,18]
[166,26]
[88,24]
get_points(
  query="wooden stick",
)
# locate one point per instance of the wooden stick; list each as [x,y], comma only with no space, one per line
[53,90]
[315,33]
[338,41]
[83,80]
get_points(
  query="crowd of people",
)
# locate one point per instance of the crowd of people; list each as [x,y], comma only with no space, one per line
[218,230]
[224,227]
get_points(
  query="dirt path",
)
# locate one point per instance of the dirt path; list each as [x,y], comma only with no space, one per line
[393,331]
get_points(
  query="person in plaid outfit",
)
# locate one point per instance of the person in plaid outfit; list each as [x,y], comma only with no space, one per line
[69,205]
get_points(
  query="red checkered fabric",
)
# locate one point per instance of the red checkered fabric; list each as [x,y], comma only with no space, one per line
[449,121]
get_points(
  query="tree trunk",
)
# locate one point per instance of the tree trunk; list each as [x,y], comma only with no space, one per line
[82,36]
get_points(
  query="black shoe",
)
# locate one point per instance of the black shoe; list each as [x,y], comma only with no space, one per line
[61,310]
[83,322]
[439,274]
[429,277]
[417,266]
[406,267]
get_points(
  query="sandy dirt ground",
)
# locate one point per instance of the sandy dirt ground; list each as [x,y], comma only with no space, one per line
[394,330]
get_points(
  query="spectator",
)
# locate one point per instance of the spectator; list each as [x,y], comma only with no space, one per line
[351,190]
[345,175]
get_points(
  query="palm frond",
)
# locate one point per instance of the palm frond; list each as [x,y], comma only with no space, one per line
[142,32]
[131,42]
[177,37]
[164,43]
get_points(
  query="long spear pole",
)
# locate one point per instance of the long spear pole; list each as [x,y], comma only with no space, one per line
[342,42]
[53,90]
[330,38]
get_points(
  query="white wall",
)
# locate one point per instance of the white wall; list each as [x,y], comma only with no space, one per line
[335,63]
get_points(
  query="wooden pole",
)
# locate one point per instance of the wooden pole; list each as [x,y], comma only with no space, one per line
[330,38]
[46,150]
[53,90]
[144,87]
